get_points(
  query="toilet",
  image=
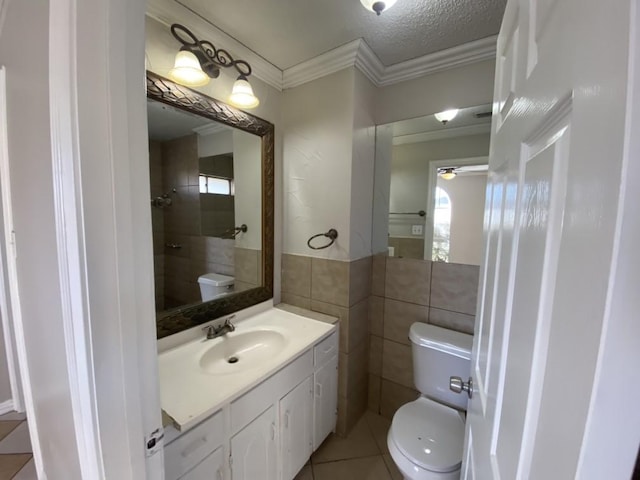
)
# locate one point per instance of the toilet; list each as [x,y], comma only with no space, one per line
[426,436]
[215,285]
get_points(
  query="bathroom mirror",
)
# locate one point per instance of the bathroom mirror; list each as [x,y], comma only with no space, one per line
[211,176]
[438,176]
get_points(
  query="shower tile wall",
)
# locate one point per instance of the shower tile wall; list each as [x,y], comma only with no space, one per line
[340,289]
[174,165]
[405,291]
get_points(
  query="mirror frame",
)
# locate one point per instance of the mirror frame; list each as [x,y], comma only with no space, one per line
[182,318]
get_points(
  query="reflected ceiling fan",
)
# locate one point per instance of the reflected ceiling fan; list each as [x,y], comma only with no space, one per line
[449,173]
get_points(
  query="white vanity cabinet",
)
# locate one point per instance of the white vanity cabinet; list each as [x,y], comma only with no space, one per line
[254,449]
[269,432]
[296,428]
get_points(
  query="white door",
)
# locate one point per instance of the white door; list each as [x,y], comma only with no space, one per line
[325,411]
[296,428]
[253,449]
[552,203]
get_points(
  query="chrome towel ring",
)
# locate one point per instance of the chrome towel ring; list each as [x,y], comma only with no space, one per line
[332,234]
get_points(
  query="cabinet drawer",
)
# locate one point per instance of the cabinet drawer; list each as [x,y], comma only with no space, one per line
[189,449]
[251,404]
[326,349]
[211,468]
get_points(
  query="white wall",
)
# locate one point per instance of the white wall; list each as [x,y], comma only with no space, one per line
[362,167]
[318,148]
[247,174]
[381,189]
[466,194]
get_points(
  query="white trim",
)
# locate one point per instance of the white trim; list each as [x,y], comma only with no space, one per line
[6,407]
[169,12]
[7,256]
[67,189]
[445,133]
[357,53]
[12,274]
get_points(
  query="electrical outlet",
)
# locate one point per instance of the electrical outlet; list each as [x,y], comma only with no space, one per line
[416,229]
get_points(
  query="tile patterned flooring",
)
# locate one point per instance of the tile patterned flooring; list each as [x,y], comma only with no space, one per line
[362,455]
[16,459]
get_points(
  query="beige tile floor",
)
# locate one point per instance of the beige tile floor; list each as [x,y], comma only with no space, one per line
[362,455]
[16,459]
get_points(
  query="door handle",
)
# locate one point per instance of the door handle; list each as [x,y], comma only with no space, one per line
[457,385]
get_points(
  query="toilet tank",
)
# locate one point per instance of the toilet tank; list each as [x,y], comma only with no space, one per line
[439,353]
[214,285]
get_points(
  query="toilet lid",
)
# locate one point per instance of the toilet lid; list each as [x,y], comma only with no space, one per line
[429,434]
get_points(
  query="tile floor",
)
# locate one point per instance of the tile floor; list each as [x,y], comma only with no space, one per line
[16,459]
[362,455]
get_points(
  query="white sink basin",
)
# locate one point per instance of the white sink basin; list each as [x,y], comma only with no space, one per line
[236,352]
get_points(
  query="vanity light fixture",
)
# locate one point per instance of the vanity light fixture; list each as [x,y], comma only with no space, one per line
[446,116]
[448,173]
[377,6]
[199,60]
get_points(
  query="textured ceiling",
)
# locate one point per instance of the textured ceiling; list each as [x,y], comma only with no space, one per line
[288,32]
[466,117]
[167,123]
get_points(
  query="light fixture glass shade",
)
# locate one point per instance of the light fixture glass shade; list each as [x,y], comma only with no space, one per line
[242,94]
[448,174]
[447,115]
[377,6]
[187,71]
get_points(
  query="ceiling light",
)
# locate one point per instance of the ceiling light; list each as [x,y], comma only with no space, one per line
[377,6]
[447,115]
[199,60]
[447,173]
[242,94]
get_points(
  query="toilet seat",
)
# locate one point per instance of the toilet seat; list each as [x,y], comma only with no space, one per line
[429,435]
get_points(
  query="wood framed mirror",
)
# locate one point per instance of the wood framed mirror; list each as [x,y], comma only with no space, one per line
[185,240]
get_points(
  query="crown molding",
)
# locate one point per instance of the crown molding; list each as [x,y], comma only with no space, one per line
[169,12]
[324,64]
[357,53]
[445,133]
[465,54]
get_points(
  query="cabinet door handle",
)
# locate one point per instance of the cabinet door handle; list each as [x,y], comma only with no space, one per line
[192,447]
[273,431]
[318,389]
[286,419]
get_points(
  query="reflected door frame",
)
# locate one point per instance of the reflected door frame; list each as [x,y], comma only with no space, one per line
[434,165]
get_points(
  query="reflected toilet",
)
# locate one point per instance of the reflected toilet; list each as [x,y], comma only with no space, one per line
[215,285]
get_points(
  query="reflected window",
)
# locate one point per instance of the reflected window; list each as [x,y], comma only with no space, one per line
[216,185]
[441,226]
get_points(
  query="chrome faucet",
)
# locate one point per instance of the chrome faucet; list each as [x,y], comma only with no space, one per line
[215,332]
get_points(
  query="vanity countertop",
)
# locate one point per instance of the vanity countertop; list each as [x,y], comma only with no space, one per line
[189,393]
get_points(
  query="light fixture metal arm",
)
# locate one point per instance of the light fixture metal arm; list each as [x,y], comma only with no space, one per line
[211,58]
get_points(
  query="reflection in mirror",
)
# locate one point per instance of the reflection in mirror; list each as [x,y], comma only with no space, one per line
[206,207]
[438,181]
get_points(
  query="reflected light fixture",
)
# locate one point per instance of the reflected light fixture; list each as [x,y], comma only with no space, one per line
[199,60]
[377,6]
[446,116]
[448,173]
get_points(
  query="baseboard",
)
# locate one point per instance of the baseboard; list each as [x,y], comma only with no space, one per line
[6,407]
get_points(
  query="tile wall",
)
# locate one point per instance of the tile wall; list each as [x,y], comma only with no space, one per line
[407,247]
[340,289]
[405,291]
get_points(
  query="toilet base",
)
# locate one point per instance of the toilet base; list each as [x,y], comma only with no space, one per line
[411,471]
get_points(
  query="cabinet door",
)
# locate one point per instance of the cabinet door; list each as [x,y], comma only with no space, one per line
[253,449]
[296,428]
[325,410]
[211,468]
